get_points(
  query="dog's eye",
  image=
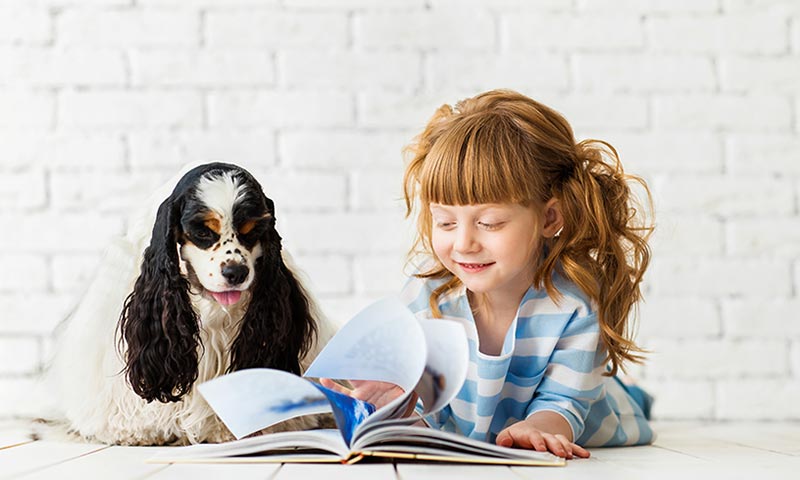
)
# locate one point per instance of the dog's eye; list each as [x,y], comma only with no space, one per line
[203,234]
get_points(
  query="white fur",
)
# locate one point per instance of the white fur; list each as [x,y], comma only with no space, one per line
[86,381]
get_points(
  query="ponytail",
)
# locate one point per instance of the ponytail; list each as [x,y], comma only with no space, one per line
[603,248]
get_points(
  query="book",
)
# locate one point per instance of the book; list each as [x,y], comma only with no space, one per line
[426,358]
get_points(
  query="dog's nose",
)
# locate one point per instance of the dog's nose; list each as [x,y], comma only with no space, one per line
[235,274]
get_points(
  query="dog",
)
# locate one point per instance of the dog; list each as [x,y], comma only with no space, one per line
[212,292]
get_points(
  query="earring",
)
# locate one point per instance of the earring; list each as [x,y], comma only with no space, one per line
[558,233]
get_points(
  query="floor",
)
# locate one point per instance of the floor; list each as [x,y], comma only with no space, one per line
[683,450]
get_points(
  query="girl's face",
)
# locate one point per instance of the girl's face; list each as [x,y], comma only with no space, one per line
[491,248]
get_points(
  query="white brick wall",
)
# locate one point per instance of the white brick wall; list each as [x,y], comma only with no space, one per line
[102,100]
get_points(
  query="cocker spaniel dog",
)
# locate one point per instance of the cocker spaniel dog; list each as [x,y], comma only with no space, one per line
[212,292]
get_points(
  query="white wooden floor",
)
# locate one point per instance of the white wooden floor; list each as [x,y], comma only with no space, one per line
[683,451]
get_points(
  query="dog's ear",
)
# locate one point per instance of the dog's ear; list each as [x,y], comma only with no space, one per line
[158,329]
[277,329]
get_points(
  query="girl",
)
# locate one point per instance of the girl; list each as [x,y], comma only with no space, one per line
[530,240]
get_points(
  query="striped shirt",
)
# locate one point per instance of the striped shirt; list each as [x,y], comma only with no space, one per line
[551,359]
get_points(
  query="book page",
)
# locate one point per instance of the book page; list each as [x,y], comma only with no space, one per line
[446,365]
[250,400]
[383,342]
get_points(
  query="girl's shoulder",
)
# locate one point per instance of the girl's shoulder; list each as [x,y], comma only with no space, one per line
[572,302]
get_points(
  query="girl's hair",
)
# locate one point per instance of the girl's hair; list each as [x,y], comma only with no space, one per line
[503,147]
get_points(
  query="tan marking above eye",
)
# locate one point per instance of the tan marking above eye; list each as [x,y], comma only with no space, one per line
[213,222]
[247,227]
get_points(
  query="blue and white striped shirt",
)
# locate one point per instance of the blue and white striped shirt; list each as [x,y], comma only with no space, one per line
[551,359]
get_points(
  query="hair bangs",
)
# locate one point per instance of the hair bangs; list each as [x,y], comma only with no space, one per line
[480,160]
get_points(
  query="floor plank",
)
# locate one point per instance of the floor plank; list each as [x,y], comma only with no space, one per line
[31,457]
[13,433]
[261,471]
[373,471]
[112,462]
[431,471]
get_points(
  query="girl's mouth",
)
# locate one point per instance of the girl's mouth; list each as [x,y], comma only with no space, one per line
[474,267]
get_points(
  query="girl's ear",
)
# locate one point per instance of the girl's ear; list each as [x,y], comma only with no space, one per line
[553,219]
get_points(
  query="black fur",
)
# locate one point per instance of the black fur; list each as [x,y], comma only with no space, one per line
[159,329]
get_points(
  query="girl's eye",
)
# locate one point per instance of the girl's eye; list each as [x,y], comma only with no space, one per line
[490,226]
[444,224]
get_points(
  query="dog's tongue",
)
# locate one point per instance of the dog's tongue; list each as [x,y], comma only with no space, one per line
[227,298]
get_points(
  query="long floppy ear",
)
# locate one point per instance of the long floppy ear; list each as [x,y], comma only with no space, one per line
[158,327]
[277,329]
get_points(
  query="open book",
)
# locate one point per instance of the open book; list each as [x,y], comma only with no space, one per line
[384,342]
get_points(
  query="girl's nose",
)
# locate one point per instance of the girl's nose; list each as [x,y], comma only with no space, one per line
[465,240]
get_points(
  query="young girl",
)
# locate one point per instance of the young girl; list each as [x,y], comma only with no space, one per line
[529,240]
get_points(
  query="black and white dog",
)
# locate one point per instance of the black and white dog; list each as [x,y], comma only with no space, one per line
[212,292]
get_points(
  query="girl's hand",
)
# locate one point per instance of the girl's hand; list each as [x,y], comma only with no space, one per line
[376,393]
[524,435]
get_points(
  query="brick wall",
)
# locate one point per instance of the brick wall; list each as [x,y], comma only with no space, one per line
[102,100]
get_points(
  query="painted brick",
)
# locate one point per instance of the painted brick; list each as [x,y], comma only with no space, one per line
[767,75]
[342,150]
[130,109]
[658,152]
[281,109]
[486,71]
[751,33]
[204,68]
[649,7]
[685,234]
[208,3]
[62,151]
[761,318]
[306,191]
[102,192]
[728,196]
[327,274]
[761,6]
[70,232]
[27,26]
[679,317]
[720,277]
[765,237]
[379,274]
[133,28]
[21,191]
[20,319]
[23,272]
[764,154]
[717,359]
[276,29]
[596,111]
[758,399]
[19,355]
[795,359]
[752,113]
[355,4]
[500,5]
[341,309]
[644,72]
[378,191]
[22,109]
[47,67]
[682,399]
[73,273]
[342,69]
[405,111]
[456,29]
[252,149]
[571,32]
[345,233]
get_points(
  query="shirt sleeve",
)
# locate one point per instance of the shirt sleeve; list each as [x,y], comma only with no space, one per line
[573,376]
